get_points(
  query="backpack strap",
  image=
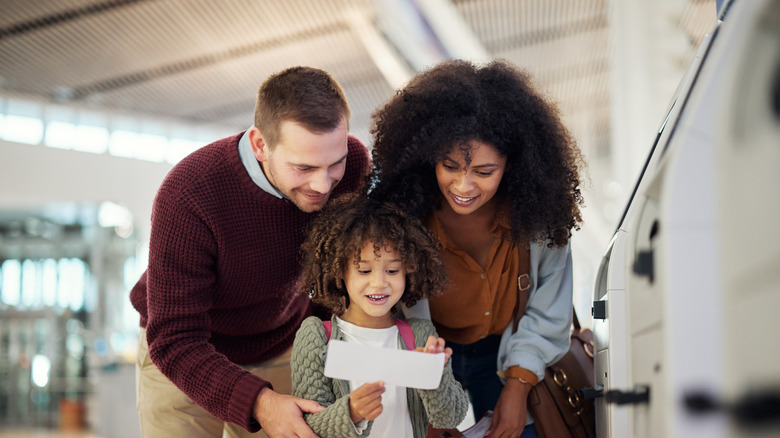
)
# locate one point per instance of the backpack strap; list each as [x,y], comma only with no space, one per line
[328,329]
[403,327]
[406,333]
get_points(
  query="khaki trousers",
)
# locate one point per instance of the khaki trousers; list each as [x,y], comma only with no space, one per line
[167,412]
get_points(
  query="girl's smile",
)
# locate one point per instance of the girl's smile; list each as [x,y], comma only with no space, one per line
[374,285]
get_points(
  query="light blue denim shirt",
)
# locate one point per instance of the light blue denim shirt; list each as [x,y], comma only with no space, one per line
[252,166]
[542,335]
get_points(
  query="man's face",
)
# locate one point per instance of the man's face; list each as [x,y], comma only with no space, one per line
[304,166]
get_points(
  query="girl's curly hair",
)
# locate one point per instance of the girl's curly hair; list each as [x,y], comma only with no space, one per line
[344,227]
[456,102]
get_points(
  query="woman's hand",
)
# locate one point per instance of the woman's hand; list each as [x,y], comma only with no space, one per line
[435,345]
[366,401]
[509,415]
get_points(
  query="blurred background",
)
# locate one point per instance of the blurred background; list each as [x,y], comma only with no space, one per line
[99,99]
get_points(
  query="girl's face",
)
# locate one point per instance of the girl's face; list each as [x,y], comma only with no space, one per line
[469,186]
[374,286]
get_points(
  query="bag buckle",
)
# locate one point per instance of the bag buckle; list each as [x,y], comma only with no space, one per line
[523,282]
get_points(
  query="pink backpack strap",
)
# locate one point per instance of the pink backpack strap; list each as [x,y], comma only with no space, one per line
[328,329]
[406,333]
[403,327]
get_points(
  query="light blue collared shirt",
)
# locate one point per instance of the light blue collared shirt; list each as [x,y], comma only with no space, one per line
[252,166]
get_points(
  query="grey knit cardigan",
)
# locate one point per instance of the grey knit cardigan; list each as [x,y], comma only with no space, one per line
[444,407]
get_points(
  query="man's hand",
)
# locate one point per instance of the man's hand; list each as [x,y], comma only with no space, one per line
[281,415]
[366,401]
[435,345]
[509,415]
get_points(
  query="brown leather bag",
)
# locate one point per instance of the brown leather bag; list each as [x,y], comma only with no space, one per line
[557,403]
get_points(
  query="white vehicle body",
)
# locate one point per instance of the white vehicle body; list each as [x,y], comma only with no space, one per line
[687,298]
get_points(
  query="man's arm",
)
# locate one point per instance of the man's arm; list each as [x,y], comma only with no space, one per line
[281,415]
[180,290]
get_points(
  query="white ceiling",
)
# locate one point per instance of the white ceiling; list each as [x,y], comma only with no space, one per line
[201,61]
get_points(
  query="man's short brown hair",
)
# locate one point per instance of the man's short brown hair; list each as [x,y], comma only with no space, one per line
[305,95]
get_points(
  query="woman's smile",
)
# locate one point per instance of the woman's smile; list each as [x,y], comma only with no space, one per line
[470,178]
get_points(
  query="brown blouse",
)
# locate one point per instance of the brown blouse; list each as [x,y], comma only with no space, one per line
[478,302]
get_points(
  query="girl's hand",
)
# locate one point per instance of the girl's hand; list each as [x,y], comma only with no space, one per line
[366,401]
[435,345]
[509,413]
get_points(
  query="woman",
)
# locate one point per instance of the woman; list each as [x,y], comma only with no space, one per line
[486,162]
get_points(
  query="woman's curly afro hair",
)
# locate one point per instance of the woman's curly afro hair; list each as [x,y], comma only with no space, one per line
[456,102]
[338,235]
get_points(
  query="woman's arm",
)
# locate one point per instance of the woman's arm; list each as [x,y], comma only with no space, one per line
[542,335]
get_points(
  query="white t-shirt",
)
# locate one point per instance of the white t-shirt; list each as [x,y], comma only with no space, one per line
[394,420]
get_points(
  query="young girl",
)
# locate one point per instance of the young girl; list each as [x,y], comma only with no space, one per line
[362,257]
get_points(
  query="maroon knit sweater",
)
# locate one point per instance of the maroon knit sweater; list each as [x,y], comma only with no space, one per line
[223,257]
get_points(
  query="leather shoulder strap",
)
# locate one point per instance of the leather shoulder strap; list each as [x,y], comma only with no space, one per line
[523,284]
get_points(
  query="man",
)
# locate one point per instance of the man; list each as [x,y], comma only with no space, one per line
[218,298]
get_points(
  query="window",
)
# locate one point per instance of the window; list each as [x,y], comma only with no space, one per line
[83,130]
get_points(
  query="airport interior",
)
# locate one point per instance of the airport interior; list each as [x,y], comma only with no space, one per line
[675,105]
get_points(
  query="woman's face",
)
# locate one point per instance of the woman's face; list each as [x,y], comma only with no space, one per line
[467,186]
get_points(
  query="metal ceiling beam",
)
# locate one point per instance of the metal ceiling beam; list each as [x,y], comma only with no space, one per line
[427,32]
[195,63]
[63,17]
[393,67]
[453,32]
